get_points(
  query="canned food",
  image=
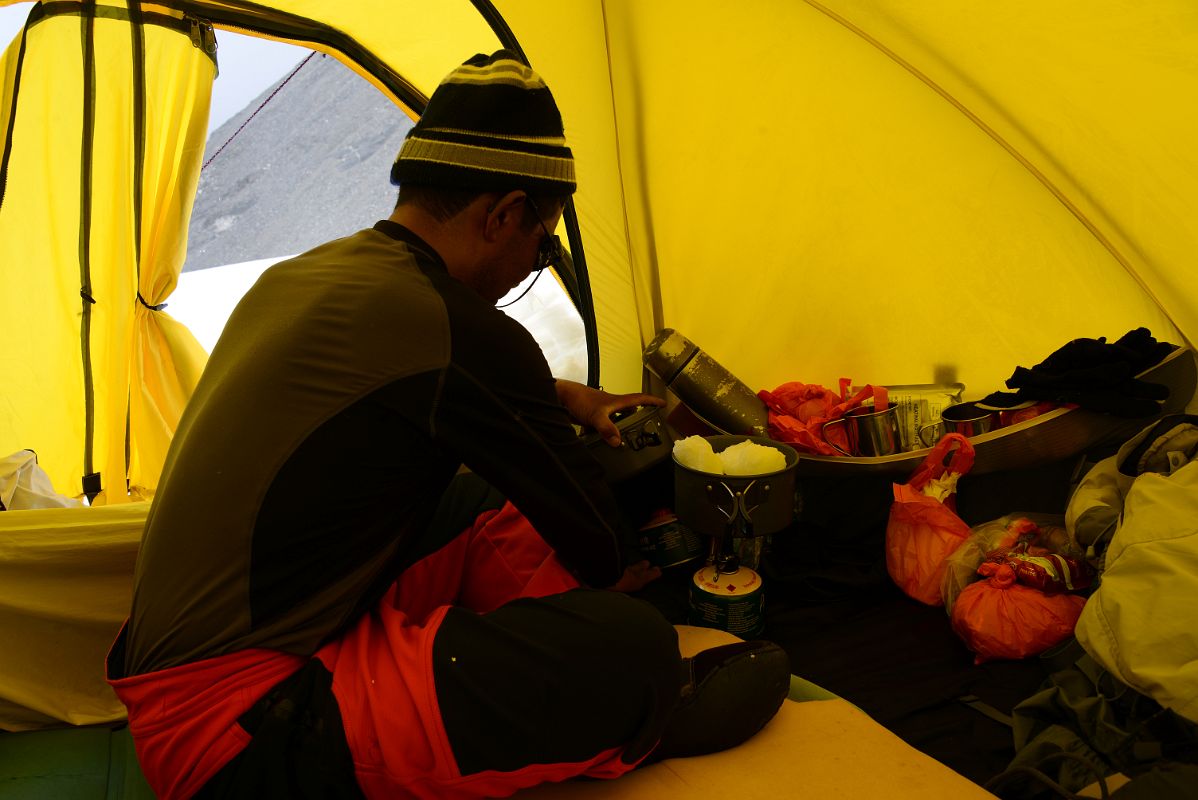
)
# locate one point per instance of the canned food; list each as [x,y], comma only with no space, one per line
[1025,411]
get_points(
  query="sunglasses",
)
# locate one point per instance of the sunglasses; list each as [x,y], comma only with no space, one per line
[550,252]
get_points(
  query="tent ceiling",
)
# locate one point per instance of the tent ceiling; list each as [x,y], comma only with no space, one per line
[887,191]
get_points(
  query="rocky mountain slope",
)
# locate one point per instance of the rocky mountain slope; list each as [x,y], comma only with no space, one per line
[310,166]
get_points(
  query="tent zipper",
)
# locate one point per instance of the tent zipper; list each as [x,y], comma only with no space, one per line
[203,37]
[91,479]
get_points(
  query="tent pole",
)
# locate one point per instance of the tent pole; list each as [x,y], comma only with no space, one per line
[584,301]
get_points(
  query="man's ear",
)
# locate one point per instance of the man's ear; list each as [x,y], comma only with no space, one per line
[503,213]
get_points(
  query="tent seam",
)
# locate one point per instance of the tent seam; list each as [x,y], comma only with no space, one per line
[657,310]
[12,117]
[137,42]
[88,63]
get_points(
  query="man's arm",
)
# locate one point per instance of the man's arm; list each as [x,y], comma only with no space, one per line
[593,407]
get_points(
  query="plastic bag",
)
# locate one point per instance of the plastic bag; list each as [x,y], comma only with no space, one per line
[924,529]
[25,485]
[1000,618]
[798,411]
[961,568]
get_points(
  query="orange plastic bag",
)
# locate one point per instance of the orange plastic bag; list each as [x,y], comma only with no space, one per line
[1000,618]
[798,412]
[924,529]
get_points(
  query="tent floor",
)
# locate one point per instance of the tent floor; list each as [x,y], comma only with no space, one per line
[90,763]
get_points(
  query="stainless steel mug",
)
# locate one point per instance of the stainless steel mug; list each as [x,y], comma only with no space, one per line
[869,432]
[963,418]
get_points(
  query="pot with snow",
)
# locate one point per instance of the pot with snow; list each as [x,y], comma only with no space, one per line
[738,490]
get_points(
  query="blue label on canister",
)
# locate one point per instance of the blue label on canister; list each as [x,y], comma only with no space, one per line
[732,602]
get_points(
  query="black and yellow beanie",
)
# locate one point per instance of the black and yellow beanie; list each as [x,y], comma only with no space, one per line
[491,125]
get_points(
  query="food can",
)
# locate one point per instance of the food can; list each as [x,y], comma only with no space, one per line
[1024,411]
[666,542]
[732,602]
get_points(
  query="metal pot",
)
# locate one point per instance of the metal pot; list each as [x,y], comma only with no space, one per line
[758,504]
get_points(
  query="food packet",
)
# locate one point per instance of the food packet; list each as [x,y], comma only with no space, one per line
[997,617]
[1042,535]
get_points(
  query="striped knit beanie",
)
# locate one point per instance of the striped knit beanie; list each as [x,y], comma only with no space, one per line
[491,125]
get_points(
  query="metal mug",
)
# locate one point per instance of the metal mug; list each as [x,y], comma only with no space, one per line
[966,419]
[870,433]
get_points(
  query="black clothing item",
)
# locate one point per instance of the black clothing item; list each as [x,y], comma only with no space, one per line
[1094,375]
[729,693]
[346,390]
[298,748]
[555,680]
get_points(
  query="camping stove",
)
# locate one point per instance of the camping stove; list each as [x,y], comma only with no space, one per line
[738,513]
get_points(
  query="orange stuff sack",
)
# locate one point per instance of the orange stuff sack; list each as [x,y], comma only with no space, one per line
[1000,618]
[924,529]
[797,413]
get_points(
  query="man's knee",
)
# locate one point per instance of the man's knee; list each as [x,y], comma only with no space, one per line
[602,631]
[568,675]
[631,634]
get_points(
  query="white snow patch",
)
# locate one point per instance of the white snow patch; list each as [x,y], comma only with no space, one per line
[204,299]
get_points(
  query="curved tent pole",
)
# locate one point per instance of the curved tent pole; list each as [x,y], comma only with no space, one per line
[574,272]
[294,28]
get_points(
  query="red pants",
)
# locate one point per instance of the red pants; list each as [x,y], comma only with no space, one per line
[452,687]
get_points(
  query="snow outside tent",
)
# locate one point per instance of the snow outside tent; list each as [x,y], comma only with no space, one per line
[889,191]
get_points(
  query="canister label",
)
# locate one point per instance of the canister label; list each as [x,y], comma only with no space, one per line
[666,542]
[731,602]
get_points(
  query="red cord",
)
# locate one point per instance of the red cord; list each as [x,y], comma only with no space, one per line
[256,110]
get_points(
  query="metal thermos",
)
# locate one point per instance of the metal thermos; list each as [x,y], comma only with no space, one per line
[713,393]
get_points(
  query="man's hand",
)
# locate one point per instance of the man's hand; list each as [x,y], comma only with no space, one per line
[636,577]
[593,407]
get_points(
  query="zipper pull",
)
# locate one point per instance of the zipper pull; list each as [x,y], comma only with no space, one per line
[203,37]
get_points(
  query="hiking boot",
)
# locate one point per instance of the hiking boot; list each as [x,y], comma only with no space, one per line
[728,694]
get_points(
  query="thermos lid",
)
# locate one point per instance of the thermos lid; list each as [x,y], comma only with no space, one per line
[668,353]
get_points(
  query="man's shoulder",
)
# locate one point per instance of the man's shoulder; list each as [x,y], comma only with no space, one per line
[368,247]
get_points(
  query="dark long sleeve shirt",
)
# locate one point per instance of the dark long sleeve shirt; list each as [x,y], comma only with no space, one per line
[348,387]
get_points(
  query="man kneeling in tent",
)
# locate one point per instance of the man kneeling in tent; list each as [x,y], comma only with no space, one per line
[321,609]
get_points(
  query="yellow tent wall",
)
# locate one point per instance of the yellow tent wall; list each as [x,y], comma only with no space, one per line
[102,166]
[888,191]
[885,191]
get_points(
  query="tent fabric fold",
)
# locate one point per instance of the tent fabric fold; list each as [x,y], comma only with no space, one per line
[166,358]
[104,161]
[65,589]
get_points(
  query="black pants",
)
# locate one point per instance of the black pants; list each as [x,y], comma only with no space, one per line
[552,680]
